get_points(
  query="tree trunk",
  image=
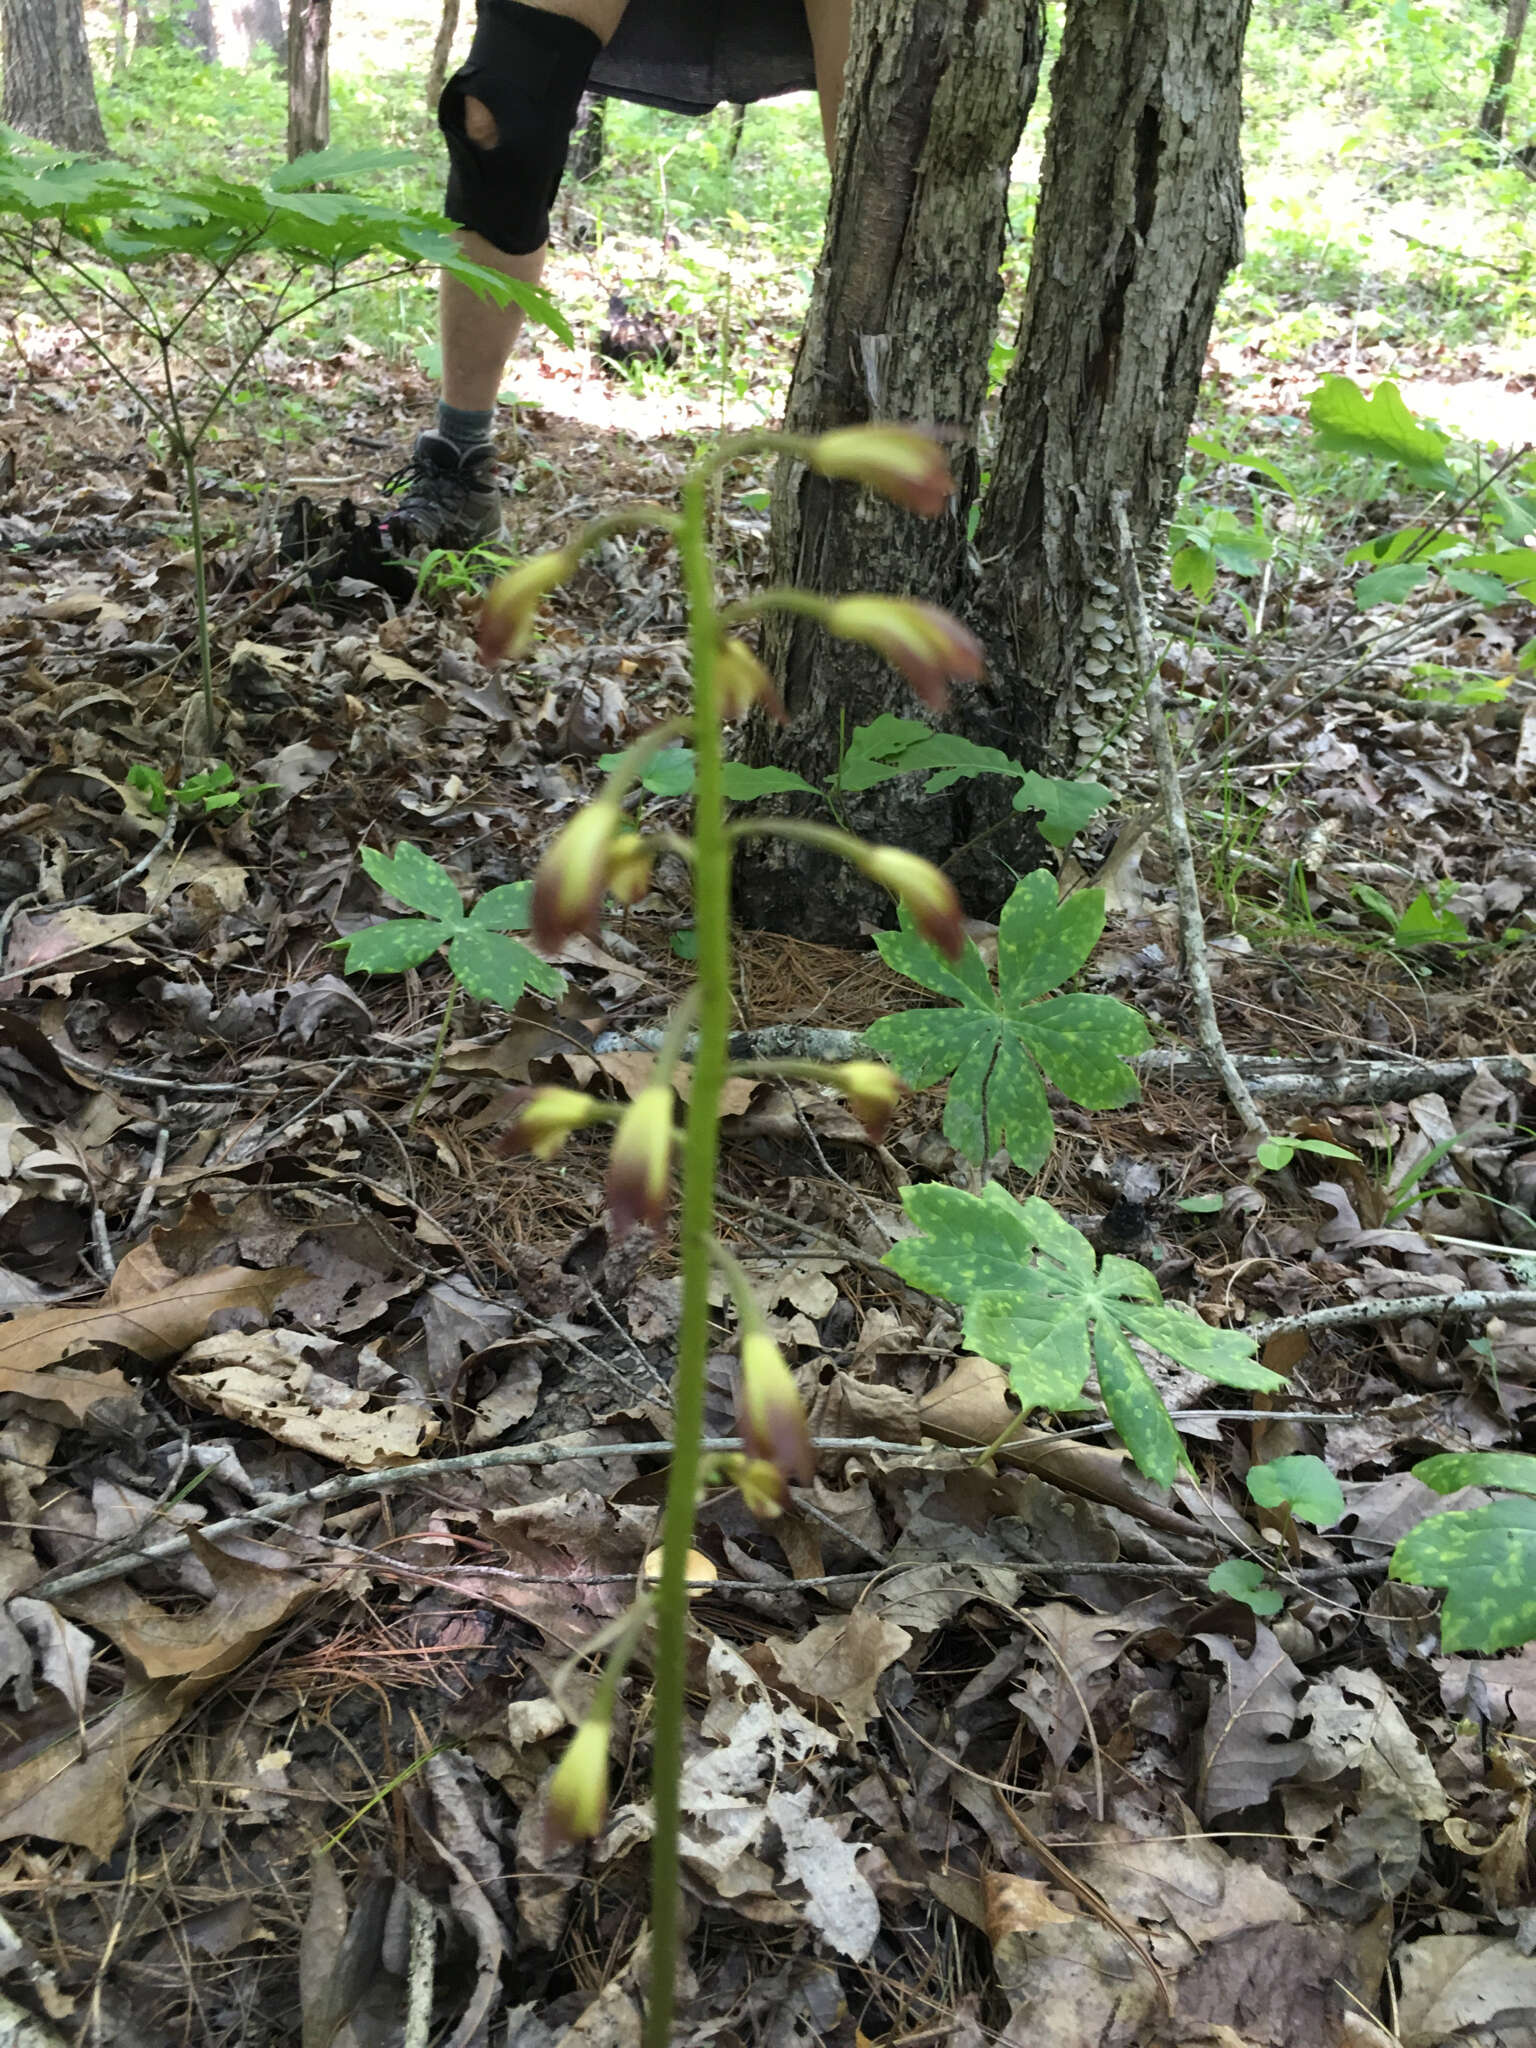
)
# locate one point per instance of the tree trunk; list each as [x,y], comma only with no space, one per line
[236,32]
[309,76]
[437,70]
[48,89]
[588,137]
[1491,119]
[901,326]
[1139,224]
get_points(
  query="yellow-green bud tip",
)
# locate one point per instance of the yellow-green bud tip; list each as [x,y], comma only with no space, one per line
[640,1161]
[577,1802]
[770,1417]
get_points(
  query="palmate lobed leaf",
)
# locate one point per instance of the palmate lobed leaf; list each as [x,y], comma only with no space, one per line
[1039,1303]
[393,948]
[1485,1558]
[507,908]
[999,1044]
[496,969]
[416,880]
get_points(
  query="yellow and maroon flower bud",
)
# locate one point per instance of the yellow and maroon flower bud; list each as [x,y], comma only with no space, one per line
[547,1118]
[577,1803]
[630,860]
[568,886]
[900,463]
[930,647]
[928,894]
[762,1488]
[512,602]
[872,1093]
[743,681]
[770,1418]
[640,1160]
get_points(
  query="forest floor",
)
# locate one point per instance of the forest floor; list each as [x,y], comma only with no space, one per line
[977,1754]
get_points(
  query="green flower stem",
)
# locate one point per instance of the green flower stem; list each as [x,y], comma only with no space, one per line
[748,1314]
[437,1057]
[805,830]
[782,598]
[712,893]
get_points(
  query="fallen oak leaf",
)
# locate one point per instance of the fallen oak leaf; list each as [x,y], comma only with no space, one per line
[248,1602]
[267,1379]
[73,1790]
[148,1309]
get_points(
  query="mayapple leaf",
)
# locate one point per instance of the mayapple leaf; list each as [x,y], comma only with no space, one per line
[1485,1558]
[496,969]
[392,948]
[1001,1044]
[506,908]
[1242,1579]
[1304,1485]
[416,880]
[1450,1471]
[1039,1303]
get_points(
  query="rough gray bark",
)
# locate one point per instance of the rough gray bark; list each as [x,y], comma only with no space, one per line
[1139,223]
[901,326]
[309,76]
[48,88]
[1491,120]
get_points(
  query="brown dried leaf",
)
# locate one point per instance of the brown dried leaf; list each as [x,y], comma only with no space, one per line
[69,1792]
[1464,1986]
[265,1380]
[1245,1753]
[248,1603]
[840,1662]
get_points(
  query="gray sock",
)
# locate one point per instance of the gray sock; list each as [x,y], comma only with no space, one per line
[466,431]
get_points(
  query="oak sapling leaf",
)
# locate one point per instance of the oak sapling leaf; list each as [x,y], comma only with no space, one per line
[1039,1303]
[1000,1044]
[484,960]
[1304,1485]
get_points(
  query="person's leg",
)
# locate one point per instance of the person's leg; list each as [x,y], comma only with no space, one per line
[506,116]
[477,336]
[828,21]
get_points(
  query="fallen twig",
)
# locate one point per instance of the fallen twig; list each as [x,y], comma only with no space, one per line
[1176,824]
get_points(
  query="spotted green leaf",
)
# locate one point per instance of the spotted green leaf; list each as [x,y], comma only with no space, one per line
[416,880]
[1304,1485]
[1039,1303]
[392,948]
[505,909]
[1485,1558]
[1452,1470]
[1243,1580]
[496,969]
[1000,1044]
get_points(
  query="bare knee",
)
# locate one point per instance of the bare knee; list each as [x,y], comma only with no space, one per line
[479,123]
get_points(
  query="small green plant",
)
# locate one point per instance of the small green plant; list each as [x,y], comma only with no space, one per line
[1484,1558]
[1276,1153]
[202,275]
[212,790]
[483,958]
[1425,922]
[1245,1579]
[1038,1301]
[1000,1043]
[1304,1487]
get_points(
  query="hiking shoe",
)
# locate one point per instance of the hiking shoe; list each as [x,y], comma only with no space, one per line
[448,497]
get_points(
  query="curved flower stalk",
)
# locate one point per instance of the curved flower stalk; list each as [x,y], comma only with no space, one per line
[597,853]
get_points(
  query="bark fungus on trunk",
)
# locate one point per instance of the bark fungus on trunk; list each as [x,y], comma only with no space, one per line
[1139,224]
[48,88]
[309,76]
[1491,120]
[901,327]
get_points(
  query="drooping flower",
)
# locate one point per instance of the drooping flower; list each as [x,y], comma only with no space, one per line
[568,886]
[742,682]
[872,1092]
[640,1161]
[762,1488]
[770,1417]
[512,603]
[547,1118]
[630,860]
[577,1803]
[928,645]
[900,463]
[928,894]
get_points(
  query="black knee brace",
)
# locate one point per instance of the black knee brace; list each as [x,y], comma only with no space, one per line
[529,70]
